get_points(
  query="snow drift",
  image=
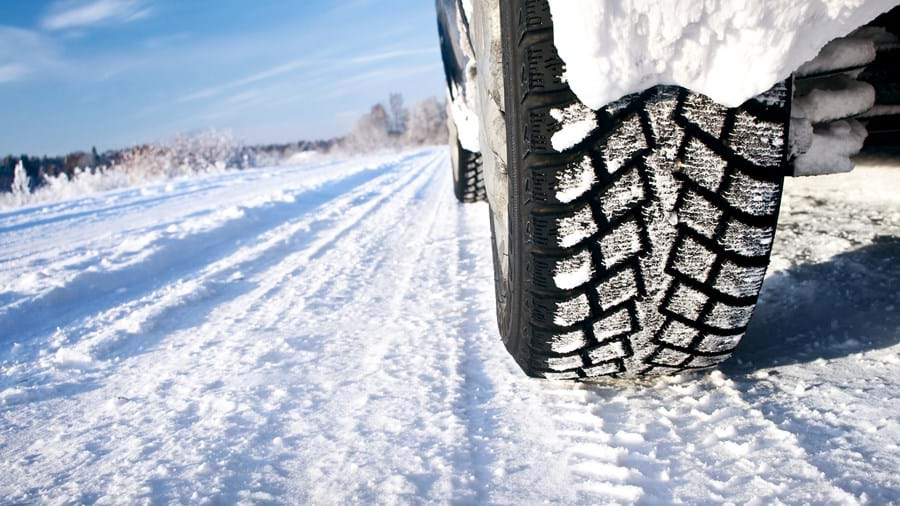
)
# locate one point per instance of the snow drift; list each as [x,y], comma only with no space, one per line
[726,49]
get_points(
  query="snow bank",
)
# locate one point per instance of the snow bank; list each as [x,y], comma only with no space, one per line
[83,182]
[728,50]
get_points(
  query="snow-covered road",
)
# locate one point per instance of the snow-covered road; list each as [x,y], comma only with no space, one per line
[325,334]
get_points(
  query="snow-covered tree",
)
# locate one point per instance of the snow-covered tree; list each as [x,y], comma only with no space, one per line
[370,132]
[206,151]
[427,123]
[21,186]
[399,115]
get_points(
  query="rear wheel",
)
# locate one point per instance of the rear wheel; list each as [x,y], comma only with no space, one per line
[468,176]
[636,237]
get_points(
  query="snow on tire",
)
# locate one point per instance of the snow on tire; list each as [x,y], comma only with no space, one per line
[639,234]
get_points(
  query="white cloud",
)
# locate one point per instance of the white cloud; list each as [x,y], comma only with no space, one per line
[68,14]
[22,52]
[12,71]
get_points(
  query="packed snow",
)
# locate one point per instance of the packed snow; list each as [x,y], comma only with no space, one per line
[831,149]
[729,51]
[325,333]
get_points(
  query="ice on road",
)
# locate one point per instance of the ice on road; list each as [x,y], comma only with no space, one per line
[326,334]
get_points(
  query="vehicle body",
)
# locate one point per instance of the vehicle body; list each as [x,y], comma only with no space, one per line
[633,160]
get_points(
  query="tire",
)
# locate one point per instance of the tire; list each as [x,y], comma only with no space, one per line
[468,178]
[642,249]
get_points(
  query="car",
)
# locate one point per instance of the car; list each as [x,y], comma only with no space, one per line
[633,157]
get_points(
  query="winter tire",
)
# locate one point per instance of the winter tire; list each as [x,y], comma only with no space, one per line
[642,248]
[468,178]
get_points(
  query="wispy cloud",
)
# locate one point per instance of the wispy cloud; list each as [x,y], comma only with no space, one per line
[22,52]
[251,79]
[165,40]
[69,14]
[285,68]
[353,83]
[12,72]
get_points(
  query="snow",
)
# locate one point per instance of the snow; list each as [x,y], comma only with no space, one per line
[729,51]
[839,54]
[831,149]
[574,272]
[466,121]
[576,122]
[575,180]
[833,98]
[326,333]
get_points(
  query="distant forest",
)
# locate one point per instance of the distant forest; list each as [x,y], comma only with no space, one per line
[386,126]
[40,168]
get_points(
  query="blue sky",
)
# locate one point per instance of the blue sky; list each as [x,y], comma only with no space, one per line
[113,73]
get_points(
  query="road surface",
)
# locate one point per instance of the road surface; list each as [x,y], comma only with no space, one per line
[325,334]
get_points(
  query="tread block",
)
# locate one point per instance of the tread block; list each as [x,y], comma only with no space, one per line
[604,369]
[700,361]
[564,363]
[571,230]
[757,141]
[713,343]
[607,352]
[705,114]
[623,242]
[739,281]
[623,144]
[571,182]
[573,271]
[776,97]
[568,342]
[669,357]
[617,289]
[572,311]
[565,231]
[699,214]
[626,193]
[703,166]
[614,324]
[558,376]
[694,260]
[678,334]
[758,198]
[726,316]
[687,302]
[619,107]
[748,240]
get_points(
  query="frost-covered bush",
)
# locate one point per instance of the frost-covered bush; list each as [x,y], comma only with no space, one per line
[83,181]
[205,152]
[370,133]
[425,123]
[21,186]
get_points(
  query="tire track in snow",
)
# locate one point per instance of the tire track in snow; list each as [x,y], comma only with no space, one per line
[106,334]
[221,353]
[162,259]
[350,355]
[689,439]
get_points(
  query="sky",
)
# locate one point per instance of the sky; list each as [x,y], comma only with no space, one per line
[114,73]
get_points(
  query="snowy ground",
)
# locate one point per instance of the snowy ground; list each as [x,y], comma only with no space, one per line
[326,334]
